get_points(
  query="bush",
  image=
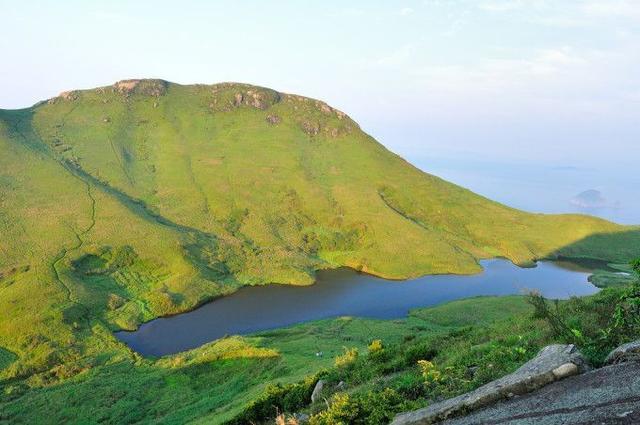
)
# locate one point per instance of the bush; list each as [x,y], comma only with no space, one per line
[430,374]
[371,408]
[626,318]
[375,346]
[341,411]
[597,324]
[350,356]
[276,399]
[421,351]
[410,386]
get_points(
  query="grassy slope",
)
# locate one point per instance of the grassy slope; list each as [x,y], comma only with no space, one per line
[213,383]
[124,203]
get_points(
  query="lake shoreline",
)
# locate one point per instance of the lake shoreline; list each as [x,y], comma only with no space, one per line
[342,292]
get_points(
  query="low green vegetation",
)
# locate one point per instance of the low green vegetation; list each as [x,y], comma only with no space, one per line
[372,369]
[146,198]
[615,274]
[599,323]
[372,387]
[236,376]
[6,358]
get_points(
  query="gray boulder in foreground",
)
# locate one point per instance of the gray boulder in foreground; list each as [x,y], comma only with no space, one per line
[552,363]
[606,396]
[317,390]
[625,353]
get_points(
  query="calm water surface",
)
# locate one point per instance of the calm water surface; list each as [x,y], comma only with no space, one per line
[344,292]
[540,187]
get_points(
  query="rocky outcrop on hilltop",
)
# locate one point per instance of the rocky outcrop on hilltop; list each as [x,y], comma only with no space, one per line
[147,87]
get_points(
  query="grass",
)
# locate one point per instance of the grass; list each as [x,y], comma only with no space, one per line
[483,339]
[6,358]
[215,382]
[124,203]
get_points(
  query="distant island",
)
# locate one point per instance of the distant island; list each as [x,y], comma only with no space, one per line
[589,199]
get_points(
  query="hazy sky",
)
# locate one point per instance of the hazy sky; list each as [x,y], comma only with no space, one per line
[535,80]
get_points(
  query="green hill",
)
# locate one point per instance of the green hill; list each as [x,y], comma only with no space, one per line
[147,198]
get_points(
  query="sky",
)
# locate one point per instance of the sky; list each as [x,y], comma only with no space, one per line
[547,81]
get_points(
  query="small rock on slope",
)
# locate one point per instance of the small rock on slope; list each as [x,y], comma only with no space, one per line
[625,353]
[317,390]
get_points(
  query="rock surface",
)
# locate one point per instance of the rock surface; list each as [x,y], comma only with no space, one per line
[625,353]
[552,363]
[317,390]
[609,395]
[301,418]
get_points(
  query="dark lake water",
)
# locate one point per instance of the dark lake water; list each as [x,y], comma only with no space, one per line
[344,292]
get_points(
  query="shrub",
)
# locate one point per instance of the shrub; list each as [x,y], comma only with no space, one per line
[341,411]
[635,265]
[410,386]
[430,374]
[350,356]
[415,352]
[375,346]
[371,408]
[283,420]
[115,301]
[276,399]
[625,323]
[596,324]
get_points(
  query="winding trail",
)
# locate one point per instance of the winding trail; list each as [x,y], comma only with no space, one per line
[35,143]
[80,243]
[435,231]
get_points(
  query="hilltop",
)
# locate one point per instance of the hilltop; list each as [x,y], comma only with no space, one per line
[146,198]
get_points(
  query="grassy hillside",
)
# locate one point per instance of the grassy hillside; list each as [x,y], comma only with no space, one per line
[248,380]
[214,383]
[146,198]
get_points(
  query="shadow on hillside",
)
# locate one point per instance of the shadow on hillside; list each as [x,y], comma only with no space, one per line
[619,247]
[19,127]
[197,244]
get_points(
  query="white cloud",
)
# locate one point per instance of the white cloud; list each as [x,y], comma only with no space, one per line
[501,75]
[562,56]
[433,2]
[613,8]
[349,12]
[569,81]
[400,57]
[560,21]
[406,11]
[501,6]
[455,27]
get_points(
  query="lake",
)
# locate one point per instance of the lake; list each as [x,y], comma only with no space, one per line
[345,292]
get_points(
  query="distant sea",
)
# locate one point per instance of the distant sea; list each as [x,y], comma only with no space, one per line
[544,188]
